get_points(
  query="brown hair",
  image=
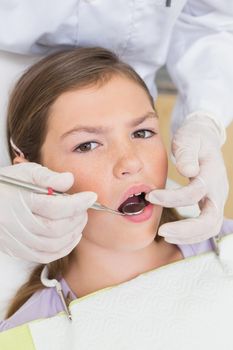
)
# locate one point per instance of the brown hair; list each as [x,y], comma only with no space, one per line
[28,112]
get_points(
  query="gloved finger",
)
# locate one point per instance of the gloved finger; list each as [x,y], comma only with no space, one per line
[186,153]
[37,228]
[187,240]
[39,175]
[193,230]
[62,227]
[179,197]
[57,252]
[20,251]
[60,207]
[45,177]
[44,256]
[52,244]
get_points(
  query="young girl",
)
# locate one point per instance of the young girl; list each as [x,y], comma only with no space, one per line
[86,112]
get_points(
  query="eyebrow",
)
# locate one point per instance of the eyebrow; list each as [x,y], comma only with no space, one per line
[102,130]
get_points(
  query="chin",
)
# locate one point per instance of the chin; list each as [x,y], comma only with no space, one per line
[136,239]
[137,245]
[121,235]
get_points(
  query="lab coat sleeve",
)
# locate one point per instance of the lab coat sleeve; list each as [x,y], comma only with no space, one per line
[200,60]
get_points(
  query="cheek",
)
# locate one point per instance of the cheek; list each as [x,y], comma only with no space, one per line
[88,173]
[164,165]
[88,176]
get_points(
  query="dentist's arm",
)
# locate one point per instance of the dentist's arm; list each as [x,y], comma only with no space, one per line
[38,227]
[200,64]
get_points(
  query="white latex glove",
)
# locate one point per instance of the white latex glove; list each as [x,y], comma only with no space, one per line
[196,148]
[37,227]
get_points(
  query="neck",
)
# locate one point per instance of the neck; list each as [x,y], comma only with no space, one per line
[93,267]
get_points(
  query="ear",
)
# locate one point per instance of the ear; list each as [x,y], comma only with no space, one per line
[18,160]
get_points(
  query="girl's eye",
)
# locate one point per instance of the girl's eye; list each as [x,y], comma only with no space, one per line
[86,147]
[143,134]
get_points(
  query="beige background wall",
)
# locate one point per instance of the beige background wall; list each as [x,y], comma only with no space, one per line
[164,106]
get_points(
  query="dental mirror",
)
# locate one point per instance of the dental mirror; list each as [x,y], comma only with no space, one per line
[133,208]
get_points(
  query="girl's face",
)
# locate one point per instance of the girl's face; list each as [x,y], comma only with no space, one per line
[108,137]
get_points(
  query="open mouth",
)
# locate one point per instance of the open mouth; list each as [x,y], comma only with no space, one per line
[133,201]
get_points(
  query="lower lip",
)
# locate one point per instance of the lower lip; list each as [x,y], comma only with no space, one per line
[145,215]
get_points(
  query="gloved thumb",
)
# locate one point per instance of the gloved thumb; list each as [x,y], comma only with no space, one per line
[85,200]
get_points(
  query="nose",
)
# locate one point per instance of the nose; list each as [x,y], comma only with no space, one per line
[127,163]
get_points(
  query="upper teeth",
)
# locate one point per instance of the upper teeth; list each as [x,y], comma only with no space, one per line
[135,194]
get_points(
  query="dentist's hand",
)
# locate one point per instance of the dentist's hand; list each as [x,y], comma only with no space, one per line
[196,148]
[39,227]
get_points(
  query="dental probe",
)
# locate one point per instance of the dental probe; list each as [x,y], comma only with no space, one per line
[136,208]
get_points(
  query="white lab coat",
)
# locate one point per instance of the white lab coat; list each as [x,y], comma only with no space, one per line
[194,38]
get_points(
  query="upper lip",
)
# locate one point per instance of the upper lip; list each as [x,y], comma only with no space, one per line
[134,190]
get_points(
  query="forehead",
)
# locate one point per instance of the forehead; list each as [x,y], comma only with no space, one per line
[117,99]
